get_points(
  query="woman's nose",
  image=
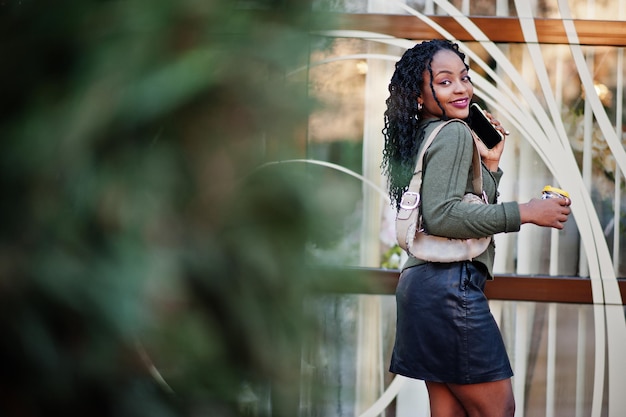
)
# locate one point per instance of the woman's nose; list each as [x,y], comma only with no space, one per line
[460,86]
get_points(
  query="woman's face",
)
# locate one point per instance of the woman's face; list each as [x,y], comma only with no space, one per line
[452,87]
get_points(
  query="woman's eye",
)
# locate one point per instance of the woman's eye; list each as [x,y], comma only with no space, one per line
[467,78]
[445,82]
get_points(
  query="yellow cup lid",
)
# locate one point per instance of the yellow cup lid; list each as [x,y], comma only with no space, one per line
[549,188]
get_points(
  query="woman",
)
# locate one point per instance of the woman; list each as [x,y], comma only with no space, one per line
[445,332]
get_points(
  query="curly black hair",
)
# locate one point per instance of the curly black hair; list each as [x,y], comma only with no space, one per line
[402,116]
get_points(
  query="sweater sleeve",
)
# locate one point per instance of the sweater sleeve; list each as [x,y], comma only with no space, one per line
[447,177]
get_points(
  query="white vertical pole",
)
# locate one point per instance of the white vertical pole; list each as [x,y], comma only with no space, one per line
[587,141]
[496,311]
[465,7]
[505,242]
[619,105]
[502,8]
[528,248]
[412,400]
[587,158]
[368,387]
[370,362]
[554,233]
[521,355]
[550,366]
[581,361]
[527,258]
[429,7]
[618,174]
[558,80]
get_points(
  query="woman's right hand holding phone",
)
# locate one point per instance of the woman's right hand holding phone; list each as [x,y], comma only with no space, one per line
[551,212]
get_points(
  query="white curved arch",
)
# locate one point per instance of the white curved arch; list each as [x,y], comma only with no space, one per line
[336,167]
[386,398]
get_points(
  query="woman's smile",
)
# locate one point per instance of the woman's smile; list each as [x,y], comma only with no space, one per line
[461,103]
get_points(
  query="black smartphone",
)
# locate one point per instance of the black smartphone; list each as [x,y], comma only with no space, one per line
[480,124]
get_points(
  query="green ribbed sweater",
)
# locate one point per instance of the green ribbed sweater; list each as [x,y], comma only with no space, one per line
[447,176]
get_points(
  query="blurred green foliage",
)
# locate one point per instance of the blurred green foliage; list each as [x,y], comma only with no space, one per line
[135,236]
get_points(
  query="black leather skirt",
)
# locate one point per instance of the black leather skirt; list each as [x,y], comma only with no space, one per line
[445,331]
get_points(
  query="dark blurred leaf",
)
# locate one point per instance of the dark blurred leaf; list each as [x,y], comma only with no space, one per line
[135,245]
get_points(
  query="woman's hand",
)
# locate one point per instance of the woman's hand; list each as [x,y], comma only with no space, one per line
[491,157]
[551,212]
